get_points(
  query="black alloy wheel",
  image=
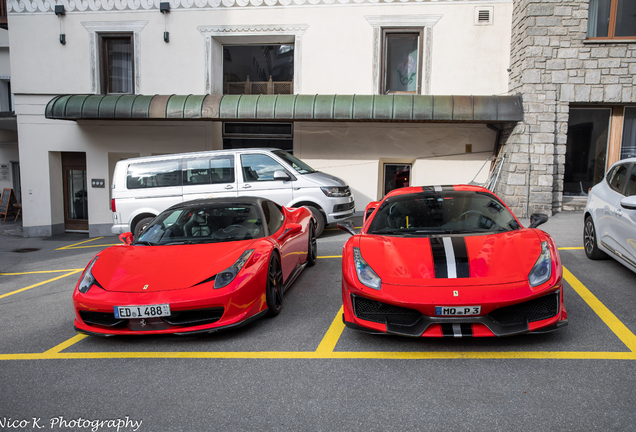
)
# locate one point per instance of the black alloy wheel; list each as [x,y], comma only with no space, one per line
[312,249]
[589,241]
[274,288]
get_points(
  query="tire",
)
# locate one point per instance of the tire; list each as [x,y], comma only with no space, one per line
[312,249]
[320,220]
[590,242]
[141,225]
[274,287]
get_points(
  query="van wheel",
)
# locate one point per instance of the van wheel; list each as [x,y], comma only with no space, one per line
[141,225]
[320,220]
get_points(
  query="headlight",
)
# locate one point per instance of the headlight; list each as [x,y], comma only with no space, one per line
[226,276]
[542,270]
[336,191]
[366,275]
[87,280]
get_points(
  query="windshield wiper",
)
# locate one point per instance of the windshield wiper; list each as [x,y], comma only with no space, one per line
[145,243]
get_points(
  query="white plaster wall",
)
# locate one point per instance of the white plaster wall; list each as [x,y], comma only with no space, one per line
[356,152]
[8,154]
[337,48]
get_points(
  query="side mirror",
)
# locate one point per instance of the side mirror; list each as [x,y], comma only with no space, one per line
[292,229]
[126,238]
[537,219]
[348,227]
[281,175]
[629,202]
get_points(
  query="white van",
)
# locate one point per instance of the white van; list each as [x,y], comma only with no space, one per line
[143,187]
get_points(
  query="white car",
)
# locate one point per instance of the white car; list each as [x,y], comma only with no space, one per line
[610,216]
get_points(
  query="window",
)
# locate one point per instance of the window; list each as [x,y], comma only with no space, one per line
[617,178]
[628,146]
[117,68]
[250,135]
[259,167]
[258,69]
[402,61]
[273,216]
[154,174]
[396,176]
[631,184]
[612,19]
[214,170]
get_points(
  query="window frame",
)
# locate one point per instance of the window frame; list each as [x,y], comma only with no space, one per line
[103,60]
[384,61]
[611,30]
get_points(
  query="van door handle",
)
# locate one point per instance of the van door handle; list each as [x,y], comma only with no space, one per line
[247,186]
[229,187]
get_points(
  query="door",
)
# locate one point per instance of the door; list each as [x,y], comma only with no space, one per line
[209,177]
[626,222]
[75,191]
[257,179]
[611,217]
[396,176]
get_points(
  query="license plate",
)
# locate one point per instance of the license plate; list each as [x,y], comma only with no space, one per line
[148,311]
[457,310]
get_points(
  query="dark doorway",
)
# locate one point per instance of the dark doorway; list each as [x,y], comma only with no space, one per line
[396,176]
[586,149]
[75,191]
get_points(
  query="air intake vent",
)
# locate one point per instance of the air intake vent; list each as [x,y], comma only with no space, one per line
[483,15]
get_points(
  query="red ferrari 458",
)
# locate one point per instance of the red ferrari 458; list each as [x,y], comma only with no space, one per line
[200,266]
[450,261]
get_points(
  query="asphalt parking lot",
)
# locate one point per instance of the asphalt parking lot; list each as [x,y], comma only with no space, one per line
[303,370]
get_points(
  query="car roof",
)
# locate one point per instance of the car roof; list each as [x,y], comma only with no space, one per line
[200,153]
[623,161]
[418,189]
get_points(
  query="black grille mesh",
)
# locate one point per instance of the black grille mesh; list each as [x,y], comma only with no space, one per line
[102,318]
[374,311]
[534,310]
[194,317]
[343,207]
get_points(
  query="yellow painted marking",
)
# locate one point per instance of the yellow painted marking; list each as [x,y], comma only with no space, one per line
[41,271]
[571,248]
[623,333]
[75,244]
[56,349]
[93,246]
[332,256]
[328,343]
[41,283]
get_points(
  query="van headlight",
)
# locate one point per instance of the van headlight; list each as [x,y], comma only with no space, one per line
[542,270]
[336,191]
[87,280]
[366,275]
[224,278]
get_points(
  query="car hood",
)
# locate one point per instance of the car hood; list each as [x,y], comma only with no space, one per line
[492,259]
[324,179]
[162,268]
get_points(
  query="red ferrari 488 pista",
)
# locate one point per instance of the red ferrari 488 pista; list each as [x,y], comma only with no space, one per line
[199,266]
[450,261]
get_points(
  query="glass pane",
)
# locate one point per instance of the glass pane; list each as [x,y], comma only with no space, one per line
[77,195]
[258,167]
[257,63]
[154,174]
[586,149]
[628,146]
[120,65]
[626,18]
[598,21]
[241,143]
[196,171]
[617,179]
[396,176]
[401,63]
[258,129]
[631,184]
[222,169]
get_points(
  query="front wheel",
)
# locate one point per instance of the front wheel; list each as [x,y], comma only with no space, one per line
[312,249]
[320,220]
[589,241]
[274,288]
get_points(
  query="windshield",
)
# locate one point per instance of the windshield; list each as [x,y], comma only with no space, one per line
[206,223]
[300,166]
[452,212]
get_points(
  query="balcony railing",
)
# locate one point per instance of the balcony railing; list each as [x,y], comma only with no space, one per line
[258,87]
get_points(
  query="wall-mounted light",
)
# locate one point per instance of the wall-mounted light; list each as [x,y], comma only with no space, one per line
[60,12]
[164,8]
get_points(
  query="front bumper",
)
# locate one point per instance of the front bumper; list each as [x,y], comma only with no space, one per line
[342,208]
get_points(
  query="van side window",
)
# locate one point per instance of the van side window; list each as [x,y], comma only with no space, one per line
[273,216]
[154,174]
[617,178]
[259,167]
[218,169]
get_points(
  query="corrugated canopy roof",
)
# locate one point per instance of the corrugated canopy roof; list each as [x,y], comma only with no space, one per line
[385,108]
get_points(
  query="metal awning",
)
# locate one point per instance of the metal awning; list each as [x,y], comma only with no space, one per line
[353,108]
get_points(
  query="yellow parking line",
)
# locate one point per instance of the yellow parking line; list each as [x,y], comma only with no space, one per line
[40,271]
[56,349]
[571,248]
[73,245]
[41,283]
[332,256]
[623,333]
[92,246]
[329,341]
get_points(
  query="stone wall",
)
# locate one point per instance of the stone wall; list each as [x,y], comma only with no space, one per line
[553,67]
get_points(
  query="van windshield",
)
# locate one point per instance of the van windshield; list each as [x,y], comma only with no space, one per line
[300,166]
[206,223]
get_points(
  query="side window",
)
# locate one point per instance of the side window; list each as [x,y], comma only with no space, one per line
[154,174]
[631,183]
[617,178]
[219,169]
[402,65]
[259,167]
[222,169]
[273,216]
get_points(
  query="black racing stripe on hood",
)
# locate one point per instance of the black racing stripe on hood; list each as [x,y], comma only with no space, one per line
[461,257]
[439,258]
